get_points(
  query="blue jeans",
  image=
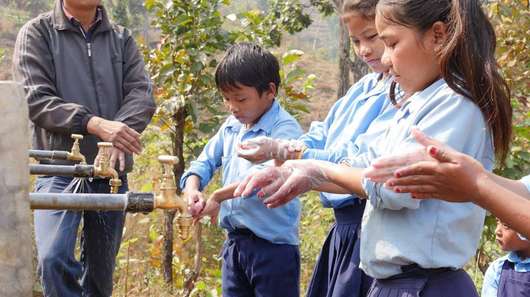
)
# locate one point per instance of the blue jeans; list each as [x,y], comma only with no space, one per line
[61,274]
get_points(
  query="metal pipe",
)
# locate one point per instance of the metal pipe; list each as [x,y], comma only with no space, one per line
[130,202]
[52,155]
[75,154]
[76,170]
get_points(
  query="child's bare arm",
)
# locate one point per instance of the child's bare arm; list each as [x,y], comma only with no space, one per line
[507,205]
[224,193]
[211,208]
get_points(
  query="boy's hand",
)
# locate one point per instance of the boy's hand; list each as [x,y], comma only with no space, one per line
[261,149]
[211,209]
[195,201]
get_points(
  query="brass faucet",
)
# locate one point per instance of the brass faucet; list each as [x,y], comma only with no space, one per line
[103,169]
[168,198]
[75,153]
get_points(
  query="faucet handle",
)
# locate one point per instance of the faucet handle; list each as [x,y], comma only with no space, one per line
[105,146]
[168,162]
[104,152]
[167,159]
[75,151]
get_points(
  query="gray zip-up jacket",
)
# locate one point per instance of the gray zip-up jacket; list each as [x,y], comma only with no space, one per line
[70,76]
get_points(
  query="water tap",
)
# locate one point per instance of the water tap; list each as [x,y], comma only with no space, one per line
[103,169]
[75,152]
[168,198]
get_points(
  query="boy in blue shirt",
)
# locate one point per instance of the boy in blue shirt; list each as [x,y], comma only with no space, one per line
[261,255]
[509,276]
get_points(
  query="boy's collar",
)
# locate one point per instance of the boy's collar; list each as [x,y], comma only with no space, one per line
[264,123]
[514,258]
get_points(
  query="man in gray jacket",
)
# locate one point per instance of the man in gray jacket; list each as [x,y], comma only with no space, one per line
[81,74]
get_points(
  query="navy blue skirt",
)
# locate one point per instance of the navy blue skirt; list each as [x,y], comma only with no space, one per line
[337,272]
[418,282]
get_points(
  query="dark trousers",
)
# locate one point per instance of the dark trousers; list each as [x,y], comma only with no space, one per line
[416,281]
[253,266]
[56,231]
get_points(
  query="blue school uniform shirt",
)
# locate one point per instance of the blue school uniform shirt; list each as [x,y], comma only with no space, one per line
[278,225]
[399,230]
[331,139]
[526,181]
[492,277]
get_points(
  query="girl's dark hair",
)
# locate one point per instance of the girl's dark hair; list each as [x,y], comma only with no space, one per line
[249,65]
[365,7]
[467,60]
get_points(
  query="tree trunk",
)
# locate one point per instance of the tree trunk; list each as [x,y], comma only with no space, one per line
[346,65]
[145,30]
[189,284]
[178,151]
[344,61]
[358,68]
[167,256]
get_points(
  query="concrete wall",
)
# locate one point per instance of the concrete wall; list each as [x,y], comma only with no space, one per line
[16,277]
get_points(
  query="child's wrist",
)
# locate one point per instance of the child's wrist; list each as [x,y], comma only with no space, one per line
[215,197]
[300,154]
[483,183]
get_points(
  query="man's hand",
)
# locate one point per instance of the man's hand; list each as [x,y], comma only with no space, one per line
[122,136]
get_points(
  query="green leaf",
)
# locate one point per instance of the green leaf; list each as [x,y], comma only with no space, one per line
[294,75]
[232,17]
[291,56]
[149,4]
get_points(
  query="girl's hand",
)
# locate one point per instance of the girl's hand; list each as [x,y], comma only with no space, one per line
[384,168]
[454,177]
[438,171]
[261,149]
[279,185]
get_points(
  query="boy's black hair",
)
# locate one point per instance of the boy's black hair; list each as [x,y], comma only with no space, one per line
[249,65]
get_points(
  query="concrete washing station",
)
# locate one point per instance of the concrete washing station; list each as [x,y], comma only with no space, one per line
[16,269]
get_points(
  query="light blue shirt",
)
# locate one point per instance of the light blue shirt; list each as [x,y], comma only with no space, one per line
[526,181]
[331,139]
[399,230]
[278,225]
[493,274]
